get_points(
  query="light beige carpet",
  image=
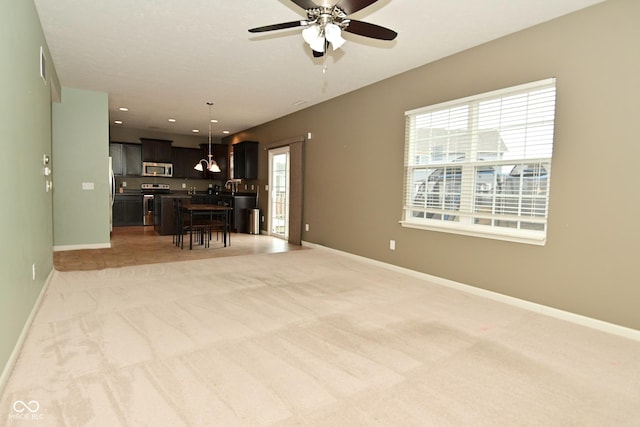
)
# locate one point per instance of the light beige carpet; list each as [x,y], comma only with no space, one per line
[306,338]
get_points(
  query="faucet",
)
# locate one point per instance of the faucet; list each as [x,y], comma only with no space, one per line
[234,185]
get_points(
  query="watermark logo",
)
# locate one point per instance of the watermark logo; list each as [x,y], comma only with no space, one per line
[20,406]
[26,410]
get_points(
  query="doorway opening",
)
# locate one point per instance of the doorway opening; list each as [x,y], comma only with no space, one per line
[279,183]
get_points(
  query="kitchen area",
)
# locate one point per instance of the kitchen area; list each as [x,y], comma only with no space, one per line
[148,177]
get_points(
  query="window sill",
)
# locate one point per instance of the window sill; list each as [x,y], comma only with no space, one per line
[526,237]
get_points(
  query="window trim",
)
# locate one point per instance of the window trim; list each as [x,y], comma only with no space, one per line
[518,235]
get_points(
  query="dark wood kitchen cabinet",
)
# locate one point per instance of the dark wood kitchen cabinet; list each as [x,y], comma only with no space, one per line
[126,158]
[156,150]
[241,203]
[220,153]
[184,159]
[245,160]
[128,210]
[165,214]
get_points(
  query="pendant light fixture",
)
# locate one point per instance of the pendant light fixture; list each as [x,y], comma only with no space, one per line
[212,166]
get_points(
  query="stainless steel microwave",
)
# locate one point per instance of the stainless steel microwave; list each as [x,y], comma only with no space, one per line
[157,169]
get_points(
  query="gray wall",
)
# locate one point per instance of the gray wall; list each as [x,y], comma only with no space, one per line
[81,155]
[25,136]
[353,172]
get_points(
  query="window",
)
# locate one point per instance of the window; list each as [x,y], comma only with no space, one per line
[481,165]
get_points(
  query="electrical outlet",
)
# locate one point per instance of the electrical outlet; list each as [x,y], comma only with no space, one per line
[392,245]
[33,271]
[124,183]
[306,227]
[184,185]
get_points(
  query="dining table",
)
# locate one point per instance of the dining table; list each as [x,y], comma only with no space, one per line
[213,212]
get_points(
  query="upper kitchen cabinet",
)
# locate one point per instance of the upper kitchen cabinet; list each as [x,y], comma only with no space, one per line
[126,158]
[245,160]
[184,159]
[220,153]
[156,150]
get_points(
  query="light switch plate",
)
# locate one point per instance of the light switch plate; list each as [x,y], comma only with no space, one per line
[87,185]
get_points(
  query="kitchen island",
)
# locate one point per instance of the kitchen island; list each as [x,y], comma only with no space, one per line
[165,215]
[241,202]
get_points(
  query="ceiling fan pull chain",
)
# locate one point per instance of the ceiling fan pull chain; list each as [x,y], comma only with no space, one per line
[325,65]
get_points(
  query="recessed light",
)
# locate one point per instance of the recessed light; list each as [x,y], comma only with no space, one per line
[172,120]
[123,109]
[118,122]
[225,131]
[195,130]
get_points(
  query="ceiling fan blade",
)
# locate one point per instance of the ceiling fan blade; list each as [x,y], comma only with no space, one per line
[282,26]
[352,6]
[306,4]
[370,30]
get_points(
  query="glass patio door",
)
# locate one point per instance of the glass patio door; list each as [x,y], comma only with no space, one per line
[279,192]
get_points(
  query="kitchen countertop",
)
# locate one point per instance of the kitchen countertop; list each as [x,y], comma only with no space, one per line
[186,193]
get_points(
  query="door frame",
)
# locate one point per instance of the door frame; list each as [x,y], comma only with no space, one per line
[296,150]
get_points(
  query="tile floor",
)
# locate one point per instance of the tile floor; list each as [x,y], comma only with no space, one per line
[141,245]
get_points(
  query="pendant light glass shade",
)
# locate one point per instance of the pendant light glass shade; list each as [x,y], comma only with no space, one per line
[212,166]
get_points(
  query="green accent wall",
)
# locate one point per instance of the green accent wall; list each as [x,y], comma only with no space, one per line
[26,227]
[81,160]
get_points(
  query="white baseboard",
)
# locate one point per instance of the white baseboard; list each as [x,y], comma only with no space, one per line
[61,248]
[527,305]
[13,357]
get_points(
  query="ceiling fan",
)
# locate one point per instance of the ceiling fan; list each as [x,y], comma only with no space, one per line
[325,23]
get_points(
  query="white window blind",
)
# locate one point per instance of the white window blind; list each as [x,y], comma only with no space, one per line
[482,165]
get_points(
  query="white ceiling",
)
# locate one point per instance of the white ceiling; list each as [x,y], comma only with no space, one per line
[167,58]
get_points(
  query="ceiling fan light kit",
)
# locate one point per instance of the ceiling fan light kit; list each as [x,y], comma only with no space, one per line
[324,25]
